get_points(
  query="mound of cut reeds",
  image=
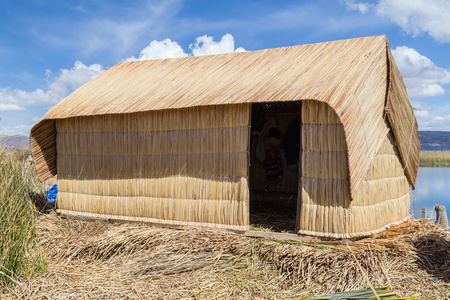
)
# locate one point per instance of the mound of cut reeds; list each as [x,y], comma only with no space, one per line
[129,261]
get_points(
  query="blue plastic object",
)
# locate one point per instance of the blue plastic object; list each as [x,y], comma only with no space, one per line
[51,194]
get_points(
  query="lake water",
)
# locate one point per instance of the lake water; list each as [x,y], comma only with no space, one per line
[432,187]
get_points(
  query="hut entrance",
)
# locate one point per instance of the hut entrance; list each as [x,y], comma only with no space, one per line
[274,165]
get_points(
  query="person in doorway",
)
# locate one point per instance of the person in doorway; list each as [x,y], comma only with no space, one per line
[272,161]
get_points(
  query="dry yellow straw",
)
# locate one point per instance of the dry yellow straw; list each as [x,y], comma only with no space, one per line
[362,272]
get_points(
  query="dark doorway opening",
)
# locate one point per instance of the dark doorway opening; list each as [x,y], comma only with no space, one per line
[274,166]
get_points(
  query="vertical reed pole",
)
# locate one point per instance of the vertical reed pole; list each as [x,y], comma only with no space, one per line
[299,189]
[424,212]
[248,161]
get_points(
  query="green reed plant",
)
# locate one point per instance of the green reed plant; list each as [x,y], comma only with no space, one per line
[383,293]
[439,159]
[20,256]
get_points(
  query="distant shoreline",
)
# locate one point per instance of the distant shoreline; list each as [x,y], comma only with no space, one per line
[435,159]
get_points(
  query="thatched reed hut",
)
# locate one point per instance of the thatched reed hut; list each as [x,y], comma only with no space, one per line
[200,140]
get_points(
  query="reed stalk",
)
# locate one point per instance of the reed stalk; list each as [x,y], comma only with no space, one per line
[18,242]
[440,159]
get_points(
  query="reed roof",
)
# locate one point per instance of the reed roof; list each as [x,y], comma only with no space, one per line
[358,78]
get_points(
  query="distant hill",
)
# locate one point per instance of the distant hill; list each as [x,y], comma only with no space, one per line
[14,141]
[434,140]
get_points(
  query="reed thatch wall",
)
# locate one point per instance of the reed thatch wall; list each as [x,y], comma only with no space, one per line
[403,123]
[326,208]
[179,167]
[356,77]
[43,148]
[325,186]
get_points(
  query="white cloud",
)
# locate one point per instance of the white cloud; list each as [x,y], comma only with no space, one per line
[160,49]
[204,45]
[439,123]
[422,114]
[425,90]
[70,80]
[419,16]
[422,77]
[359,6]
[15,99]
[59,87]
[439,120]
[430,118]
[9,106]
[415,17]
[14,130]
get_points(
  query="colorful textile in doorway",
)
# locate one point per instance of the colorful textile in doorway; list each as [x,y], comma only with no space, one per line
[272,162]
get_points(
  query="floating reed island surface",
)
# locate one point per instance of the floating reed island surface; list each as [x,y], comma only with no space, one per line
[104,260]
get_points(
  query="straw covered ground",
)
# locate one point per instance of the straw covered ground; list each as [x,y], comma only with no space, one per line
[128,261]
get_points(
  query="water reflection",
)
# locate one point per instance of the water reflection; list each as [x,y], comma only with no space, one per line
[432,187]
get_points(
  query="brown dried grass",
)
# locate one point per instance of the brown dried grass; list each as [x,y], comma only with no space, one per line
[111,261]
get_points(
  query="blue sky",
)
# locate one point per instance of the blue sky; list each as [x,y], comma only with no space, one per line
[48,48]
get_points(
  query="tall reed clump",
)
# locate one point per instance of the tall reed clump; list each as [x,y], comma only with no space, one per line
[435,159]
[20,256]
